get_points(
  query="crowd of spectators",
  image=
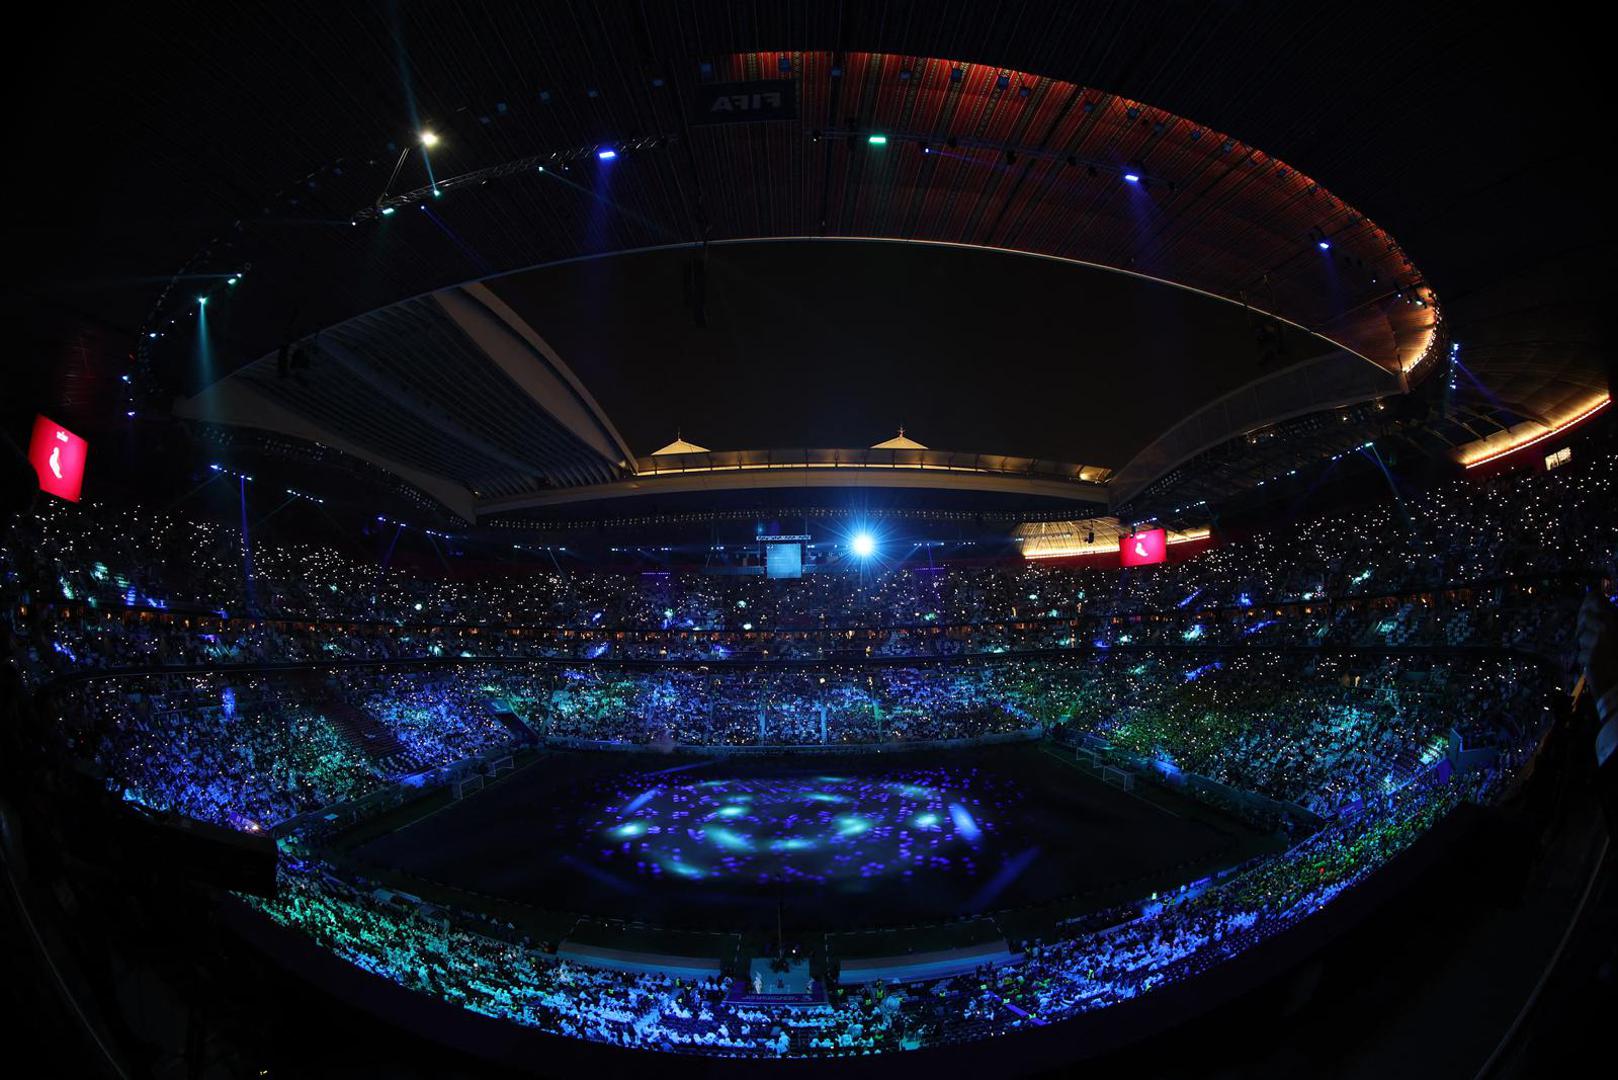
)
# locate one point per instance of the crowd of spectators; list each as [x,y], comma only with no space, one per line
[1498,563]
[329,679]
[462,960]
[1322,731]
[252,751]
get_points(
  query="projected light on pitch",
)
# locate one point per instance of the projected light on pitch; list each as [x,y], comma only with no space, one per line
[852,826]
[966,826]
[641,800]
[730,841]
[793,843]
[798,828]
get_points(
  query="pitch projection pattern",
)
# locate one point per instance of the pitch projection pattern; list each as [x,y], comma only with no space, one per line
[805,829]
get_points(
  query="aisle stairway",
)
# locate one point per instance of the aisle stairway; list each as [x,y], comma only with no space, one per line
[362,732]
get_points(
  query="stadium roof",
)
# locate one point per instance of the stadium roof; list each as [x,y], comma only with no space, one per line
[899,442]
[679,446]
[980,128]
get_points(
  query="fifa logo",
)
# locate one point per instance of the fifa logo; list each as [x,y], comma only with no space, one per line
[746,102]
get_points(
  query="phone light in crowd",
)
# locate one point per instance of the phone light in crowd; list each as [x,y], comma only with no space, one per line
[863,545]
[57,456]
[877,140]
[606,153]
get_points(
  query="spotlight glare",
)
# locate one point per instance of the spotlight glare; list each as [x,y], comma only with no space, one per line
[864,545]
[1323,245]
[429,139]
[877,140]
[1133,178]
[606,153]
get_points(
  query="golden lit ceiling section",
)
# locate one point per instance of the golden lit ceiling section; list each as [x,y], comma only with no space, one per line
[1090,536]
[1531,432]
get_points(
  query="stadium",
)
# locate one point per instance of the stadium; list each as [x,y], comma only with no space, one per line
[715,539]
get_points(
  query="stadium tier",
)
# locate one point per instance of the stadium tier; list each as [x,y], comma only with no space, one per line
[1320,693]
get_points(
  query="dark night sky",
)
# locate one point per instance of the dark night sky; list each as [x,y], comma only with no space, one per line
[835,344]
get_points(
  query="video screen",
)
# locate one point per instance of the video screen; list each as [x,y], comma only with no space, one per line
[783,560]
[58,457]
[1144,548]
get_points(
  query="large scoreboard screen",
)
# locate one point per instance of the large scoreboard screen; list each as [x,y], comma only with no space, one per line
[783,559]
[1143,548]
[57,455]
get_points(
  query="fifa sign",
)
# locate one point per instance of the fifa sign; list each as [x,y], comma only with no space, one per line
[745,102]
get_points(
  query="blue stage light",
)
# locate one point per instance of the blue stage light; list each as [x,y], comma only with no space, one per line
[864,545]
[1133,178]
[606,153]
[1323,245]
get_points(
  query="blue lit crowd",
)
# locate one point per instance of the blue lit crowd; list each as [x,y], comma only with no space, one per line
[1282,666]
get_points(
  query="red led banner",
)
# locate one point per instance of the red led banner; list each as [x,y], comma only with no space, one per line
[57,455]
[1144,548]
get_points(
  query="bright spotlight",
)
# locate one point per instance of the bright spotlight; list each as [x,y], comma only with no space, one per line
[1133,178]
[606,153]
[864,545]
[429,139]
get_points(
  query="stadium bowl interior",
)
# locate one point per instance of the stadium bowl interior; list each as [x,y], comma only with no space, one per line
[713,538]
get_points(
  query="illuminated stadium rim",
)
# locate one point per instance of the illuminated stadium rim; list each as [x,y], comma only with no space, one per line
[1054,550]
[1525,441]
